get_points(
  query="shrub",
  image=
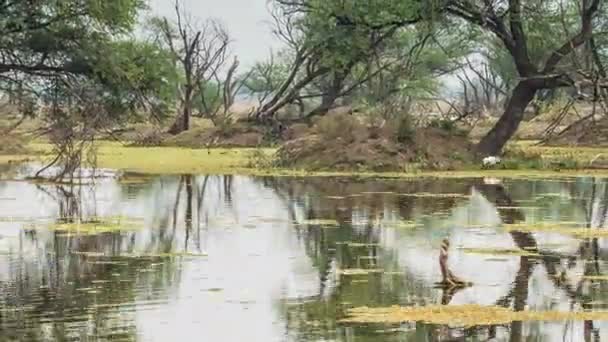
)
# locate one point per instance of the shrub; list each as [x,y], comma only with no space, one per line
[345,126]
[259,159]
[448,126]
[405,129]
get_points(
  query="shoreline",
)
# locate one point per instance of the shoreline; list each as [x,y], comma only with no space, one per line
[236,161]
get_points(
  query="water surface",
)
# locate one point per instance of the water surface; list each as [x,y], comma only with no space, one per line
[236,258]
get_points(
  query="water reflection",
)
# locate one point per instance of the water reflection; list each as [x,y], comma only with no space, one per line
[232,258]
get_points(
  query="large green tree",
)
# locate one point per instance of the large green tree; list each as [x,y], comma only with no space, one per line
[47,37]
[79,59]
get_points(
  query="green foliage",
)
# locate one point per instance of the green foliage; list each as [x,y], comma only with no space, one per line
[343,28]
[261,159]
[266,76]
[59,30]
[133,73]
[520,159]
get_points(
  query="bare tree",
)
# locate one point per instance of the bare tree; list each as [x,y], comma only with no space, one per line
[303,66]
[217,96]
[201,51]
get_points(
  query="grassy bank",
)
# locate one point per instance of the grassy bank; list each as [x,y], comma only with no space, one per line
[174,160]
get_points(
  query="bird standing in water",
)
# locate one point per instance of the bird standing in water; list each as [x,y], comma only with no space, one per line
[448,278]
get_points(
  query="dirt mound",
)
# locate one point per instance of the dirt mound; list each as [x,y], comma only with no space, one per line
[236,135]
[583,133]
[341,142]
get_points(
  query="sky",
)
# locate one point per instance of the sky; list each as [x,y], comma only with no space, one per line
[248,22]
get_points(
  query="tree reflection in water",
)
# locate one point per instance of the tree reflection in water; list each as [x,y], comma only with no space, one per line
[317,318]
[261,236]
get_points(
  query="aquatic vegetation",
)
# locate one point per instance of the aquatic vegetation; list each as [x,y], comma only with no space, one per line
[135,180]
[164,255]
[402,224]
[435,195]
[358,244]
[461,315]
[321,222]
[18,219]
[577,232]
[498,251]
[272,220]
[94,226]
[359,271]
[87,254]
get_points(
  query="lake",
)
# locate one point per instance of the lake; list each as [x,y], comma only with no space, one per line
[128,257]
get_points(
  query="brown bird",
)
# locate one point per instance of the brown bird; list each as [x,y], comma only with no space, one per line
[448,278]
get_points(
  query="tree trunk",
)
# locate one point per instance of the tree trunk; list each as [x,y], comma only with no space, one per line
[508,123]
[327,102]
[332,93]
[182,122]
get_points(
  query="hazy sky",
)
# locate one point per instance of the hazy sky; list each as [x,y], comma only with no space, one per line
[248,22]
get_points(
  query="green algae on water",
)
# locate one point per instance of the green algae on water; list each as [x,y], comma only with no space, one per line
[165,255]
[462,315]
[94,226]
[359,271]
[576,232]
[498,251]
[321,222]
[402,224]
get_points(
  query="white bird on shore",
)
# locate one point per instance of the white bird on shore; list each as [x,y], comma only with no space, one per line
[491,161]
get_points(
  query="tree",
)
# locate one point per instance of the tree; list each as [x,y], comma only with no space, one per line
[129,78]
[75,58]
[512,23]
[46,38]
[521,29]
[327,49]
[200,50]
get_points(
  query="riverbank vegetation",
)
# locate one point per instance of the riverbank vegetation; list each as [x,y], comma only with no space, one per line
[397,87]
